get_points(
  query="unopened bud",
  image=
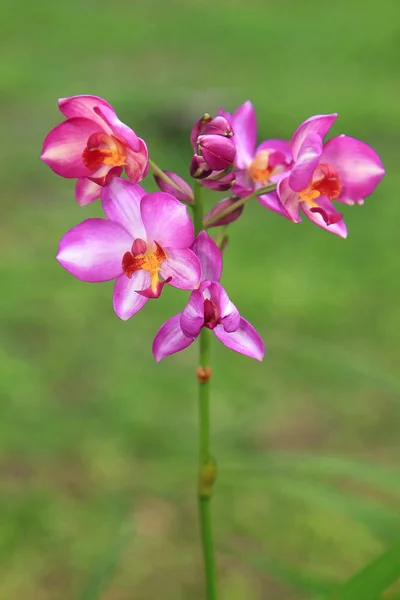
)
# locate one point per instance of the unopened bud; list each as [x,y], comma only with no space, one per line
[198,129]
[199,168]
[185,192]
[220,207]
[218,151]
[218,126]
[220,184]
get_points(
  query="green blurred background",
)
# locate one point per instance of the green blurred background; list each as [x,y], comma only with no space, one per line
[98,443]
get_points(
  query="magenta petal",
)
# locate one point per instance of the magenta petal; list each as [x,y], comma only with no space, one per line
[137,163]
[64,145]
[121,204]
[192,316]
[93,250]
[183,267]
[358,165]
[118,128]
[229,315]
[170,339]
[339,228]
[306,162]
[319,124]
[83,106]
[209,255]
[244,340]
[166,220]
[272,202]
[245,134]
[289,199]
[86,191]
[281,146]
[126,300]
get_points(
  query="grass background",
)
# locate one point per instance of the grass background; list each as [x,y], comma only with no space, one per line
[97,443]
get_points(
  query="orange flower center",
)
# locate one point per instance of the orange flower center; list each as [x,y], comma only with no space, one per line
[325,182]
[259,170]
[102,149]
[144,257]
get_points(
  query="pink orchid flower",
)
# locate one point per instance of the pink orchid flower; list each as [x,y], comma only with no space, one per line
[342,169]
[258,165]
[145,237]
[209,306]
[93,145]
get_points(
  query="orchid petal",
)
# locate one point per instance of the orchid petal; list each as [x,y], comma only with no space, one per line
[83,107]
[184,194]
[319,124]
[244,126]
[272,202]
[166,220]
[229,315]
[121,204]
[107,113]
[281,146]
[192,316]
[182,266]
[289,199]
[306,162]
[93,250]
[137,163]
[358,165]
[170,339]
[64,145]
[209,255]
[86,191]
[339,228]
[126,300]
[244,340]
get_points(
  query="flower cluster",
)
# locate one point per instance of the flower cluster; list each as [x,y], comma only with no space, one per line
[147,240]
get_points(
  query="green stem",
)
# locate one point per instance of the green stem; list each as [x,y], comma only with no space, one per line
[240,202]
[207,466]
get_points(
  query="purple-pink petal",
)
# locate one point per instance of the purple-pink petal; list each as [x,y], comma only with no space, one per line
[86,191]
[306,162]
[338,228]
[184,194]
[245,134]
[272,202]
[126,300]
[166,220]
[244,340]
[209,255]
[64,145]
[281,146]
[229,315]
[121,204]
[83,106]
[137,163]
[181,268]
[358,165]
[289,199]
[93,250]
[319,124]
[192,316]
[119,129]
[170,339]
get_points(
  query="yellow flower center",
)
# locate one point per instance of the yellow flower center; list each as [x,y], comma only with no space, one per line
[325,182]
[144,257]
[102,149]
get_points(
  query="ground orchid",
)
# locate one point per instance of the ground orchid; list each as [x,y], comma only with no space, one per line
[209,306]
[343,169]
[143,244]
[93,145]
[257,166]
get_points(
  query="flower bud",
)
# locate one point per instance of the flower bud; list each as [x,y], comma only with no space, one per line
[199,168]
[218,126]
[185,192]
[198,129]
[218,151]
[220,184]
[222,205]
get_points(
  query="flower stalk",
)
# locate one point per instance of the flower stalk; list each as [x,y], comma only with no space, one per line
[207,465]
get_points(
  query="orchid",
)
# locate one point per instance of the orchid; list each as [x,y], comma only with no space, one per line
[144,238]
[209,306]
[93,145]
[343,169]
[259,165]
[148,240]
